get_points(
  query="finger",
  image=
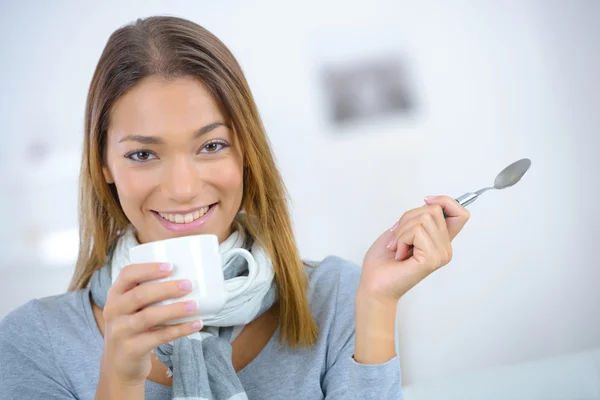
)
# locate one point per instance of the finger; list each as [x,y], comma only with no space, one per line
[401,250]
[424,252]
[408,220]
[456,215]
[379,248]
[130,276]
[407,216]
[436,213]
[407,226]
[451,207]
[147,294]
[415,268]
[154,316]
[169,333]
[438,236]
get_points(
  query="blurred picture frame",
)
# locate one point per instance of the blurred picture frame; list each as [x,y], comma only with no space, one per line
[367,90]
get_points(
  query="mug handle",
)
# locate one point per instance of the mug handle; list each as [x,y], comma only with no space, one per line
[252,271]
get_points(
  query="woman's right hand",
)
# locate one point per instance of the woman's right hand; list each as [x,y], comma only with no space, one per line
[130,327]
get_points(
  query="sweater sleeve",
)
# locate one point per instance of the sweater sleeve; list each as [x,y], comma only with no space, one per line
[345,378]
[28,369]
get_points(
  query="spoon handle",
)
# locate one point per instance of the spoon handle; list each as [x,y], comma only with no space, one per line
[466,199]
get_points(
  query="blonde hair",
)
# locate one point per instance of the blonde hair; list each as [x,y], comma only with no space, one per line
[173,47]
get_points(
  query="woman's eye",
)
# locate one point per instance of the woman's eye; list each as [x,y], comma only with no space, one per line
[140,156]
[212,147]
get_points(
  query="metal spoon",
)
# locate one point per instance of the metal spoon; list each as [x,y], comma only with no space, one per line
[506,178]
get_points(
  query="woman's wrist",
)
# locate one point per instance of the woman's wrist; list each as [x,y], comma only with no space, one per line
[110,387]
[375,328]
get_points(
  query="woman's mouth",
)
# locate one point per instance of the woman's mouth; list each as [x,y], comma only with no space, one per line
[186,221]
[184,218]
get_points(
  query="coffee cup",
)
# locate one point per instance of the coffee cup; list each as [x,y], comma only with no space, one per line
[199,259]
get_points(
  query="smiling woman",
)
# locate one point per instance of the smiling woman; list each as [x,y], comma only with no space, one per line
[174,146]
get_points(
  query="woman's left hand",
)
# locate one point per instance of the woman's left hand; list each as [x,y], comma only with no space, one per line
[415,246]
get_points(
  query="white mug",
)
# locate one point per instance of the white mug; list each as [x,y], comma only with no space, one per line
[198,259]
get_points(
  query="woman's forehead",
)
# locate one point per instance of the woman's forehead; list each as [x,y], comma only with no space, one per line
[160,107]
[154,102]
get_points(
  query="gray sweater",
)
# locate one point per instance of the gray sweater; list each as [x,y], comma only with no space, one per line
[51,349]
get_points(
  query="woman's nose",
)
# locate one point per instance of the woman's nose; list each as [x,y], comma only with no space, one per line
[180,181]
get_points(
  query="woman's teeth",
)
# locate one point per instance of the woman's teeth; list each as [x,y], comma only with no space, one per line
[185,218]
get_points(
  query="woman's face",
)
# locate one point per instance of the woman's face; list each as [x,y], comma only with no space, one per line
[177,167]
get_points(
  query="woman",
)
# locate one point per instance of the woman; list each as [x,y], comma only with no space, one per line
[174,146]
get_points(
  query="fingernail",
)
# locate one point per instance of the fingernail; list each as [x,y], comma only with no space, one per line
[191,305]
[429,198]
[393,228]
[197,325]
[185,285]
[166,267]
[391,242]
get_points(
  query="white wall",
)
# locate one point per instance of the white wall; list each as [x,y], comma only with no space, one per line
[495,82]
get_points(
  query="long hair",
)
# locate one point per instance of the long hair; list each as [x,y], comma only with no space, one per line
[173,47]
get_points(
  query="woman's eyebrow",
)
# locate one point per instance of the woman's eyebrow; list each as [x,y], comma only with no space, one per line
[157,140]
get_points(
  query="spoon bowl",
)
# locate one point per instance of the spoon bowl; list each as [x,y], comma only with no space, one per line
[512,174]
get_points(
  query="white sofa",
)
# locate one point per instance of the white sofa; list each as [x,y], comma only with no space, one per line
[573,376]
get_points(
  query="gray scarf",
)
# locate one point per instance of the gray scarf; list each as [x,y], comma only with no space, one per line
[201,363]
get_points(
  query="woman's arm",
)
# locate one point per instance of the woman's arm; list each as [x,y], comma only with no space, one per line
[417,245]
[348,376]
[375,329]
[110,389]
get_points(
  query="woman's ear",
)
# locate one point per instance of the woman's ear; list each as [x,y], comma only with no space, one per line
[108,175]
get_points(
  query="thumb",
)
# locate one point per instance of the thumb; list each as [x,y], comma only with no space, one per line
[456,215]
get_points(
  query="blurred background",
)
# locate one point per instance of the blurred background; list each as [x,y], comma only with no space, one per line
[370,106]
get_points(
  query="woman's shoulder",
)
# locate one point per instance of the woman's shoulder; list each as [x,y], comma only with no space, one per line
[332,287]
[331,274]
[39,318]
[40,341]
